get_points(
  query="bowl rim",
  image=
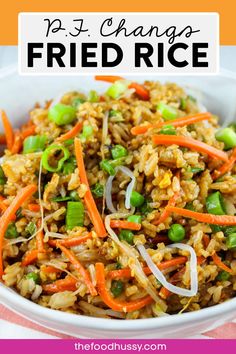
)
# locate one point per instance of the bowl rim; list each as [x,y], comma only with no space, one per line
[108,324]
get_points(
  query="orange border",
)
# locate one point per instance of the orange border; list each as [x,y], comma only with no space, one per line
[10,9]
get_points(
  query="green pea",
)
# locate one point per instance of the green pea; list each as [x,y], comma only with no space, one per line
[135,218]
[126,235]
[136,199]
[176,233]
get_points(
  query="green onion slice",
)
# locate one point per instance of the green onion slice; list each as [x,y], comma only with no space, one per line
[98,190]
[93,96]
[107,167]
[117,89]
[62,114]
[50,152]
[168,130]
[74,215]
[31,228]
[34,143]
[11,231]
[118,151]
[167,112]
[231,241]
[215,204]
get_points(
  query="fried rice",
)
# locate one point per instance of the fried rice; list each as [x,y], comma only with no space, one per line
[93,234]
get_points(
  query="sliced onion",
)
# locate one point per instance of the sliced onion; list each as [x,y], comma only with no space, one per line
[130,187]
[134,264]
[108,195]
[158,274]
[108,192]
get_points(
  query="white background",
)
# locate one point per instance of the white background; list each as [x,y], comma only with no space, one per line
[33,28]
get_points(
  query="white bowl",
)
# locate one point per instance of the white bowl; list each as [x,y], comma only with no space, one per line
[17,96]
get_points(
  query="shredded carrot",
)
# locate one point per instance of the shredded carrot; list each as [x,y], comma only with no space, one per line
[164,293]
[126,272]
[27,131]
[88,198]
[114,304]
[200,260]
[3,206]
[120,273]
[215,257]
[50,269]
[78,266]
[20,198]
[17,144]
[226,167]
[190,143]
[30,257]
[165,214]
[72,133]
[123,224]
[33,207]
[2,139]
[67,284]
[39,240]
[179,122]
[9,133]
[139,89]
[206,240]
[220,264]
[108,78]
[202,217]
[71,241]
